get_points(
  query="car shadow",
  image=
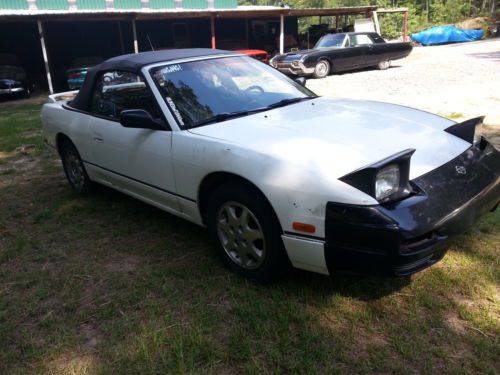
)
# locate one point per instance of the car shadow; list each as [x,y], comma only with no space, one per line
[357,286]
[487,55]
[368,69]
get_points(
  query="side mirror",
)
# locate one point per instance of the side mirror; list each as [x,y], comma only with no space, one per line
[301,80]
[140,119]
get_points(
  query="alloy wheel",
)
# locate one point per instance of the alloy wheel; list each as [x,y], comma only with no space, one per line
[74,169]
[241,235]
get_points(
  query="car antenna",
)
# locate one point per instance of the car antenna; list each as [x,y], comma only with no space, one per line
[151,44]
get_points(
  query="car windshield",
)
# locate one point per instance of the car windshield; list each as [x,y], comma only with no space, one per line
[205,91]
[329,41]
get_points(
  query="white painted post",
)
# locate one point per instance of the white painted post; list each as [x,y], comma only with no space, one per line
[282,34]
[375,21]
[134,32]
[45,56]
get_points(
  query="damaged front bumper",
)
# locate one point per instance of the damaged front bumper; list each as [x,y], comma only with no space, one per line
[404,237]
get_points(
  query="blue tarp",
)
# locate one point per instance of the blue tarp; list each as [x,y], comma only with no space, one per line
[446,34]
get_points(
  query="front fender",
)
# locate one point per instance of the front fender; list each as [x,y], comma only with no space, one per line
[295,194]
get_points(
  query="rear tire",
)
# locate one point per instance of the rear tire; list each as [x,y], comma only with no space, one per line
[322,69]
[74,169]
[383,65]
[246,232]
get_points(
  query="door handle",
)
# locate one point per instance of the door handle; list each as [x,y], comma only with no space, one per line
[97,137]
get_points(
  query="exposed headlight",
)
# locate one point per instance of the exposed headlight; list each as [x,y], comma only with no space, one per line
[470,131]
[273,62]
[478,133]
[295,63]
[387,182]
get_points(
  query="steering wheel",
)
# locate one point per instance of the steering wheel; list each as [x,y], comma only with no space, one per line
[254,88]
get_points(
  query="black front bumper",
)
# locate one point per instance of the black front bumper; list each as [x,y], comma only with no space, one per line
[404,237]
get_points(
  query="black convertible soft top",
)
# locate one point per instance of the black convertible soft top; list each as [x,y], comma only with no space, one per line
[133,63]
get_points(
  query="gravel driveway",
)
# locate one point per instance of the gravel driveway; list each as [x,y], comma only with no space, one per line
[457,80]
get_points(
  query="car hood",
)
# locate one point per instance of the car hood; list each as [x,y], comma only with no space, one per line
[291,56]
[341,136]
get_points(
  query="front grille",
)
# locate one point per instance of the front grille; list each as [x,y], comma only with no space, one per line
[421,243]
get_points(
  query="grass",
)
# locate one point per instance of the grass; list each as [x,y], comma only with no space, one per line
[452,115]
[108,285]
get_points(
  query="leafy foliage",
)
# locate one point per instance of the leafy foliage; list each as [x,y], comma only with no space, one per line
[422,13]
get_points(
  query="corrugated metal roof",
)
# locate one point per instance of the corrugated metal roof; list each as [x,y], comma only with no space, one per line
[144,13]
[33,12]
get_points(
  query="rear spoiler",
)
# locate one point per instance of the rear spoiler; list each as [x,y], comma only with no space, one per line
[68,95]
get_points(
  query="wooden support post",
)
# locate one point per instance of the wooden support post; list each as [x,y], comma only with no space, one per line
[282,33]
[336,22]
[41,33]
[247,33]
[120,34]
[405,27]
[134,32]
[212,29]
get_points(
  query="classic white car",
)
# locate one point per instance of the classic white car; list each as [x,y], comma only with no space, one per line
[276,173]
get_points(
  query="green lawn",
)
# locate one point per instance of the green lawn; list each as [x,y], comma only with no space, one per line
[108,285]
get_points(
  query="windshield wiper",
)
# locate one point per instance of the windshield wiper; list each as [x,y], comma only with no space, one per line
[229,115]
[226,116]
[285,102]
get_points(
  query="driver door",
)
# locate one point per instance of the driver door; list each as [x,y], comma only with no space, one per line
[362,47]
[136,161]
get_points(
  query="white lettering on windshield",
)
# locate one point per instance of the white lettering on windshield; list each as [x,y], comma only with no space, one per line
[172,69]
[174,109]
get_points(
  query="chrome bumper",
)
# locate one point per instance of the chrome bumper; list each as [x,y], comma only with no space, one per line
[290,69]
[13,90]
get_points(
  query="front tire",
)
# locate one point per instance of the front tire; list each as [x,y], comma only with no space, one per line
[322,69]
[246,232]
[74,169]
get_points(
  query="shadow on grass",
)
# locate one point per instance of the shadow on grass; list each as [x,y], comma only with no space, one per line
[359,286]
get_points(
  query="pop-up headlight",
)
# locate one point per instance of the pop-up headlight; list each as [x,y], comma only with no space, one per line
[387,180]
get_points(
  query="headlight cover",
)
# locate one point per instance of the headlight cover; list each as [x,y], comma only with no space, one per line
[387,180]
[470,131]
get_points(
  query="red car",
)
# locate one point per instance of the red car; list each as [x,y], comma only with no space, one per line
[256,54]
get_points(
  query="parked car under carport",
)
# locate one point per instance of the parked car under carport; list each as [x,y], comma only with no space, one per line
[13,78]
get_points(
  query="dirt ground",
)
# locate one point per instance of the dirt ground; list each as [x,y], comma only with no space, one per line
[457,81]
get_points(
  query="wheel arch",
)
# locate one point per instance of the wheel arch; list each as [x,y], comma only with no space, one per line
[324,57]
[60,139]
[216,179]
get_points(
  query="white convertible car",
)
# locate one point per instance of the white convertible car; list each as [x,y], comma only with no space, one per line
[279,175]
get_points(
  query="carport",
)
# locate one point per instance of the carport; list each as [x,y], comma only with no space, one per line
[48,40]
